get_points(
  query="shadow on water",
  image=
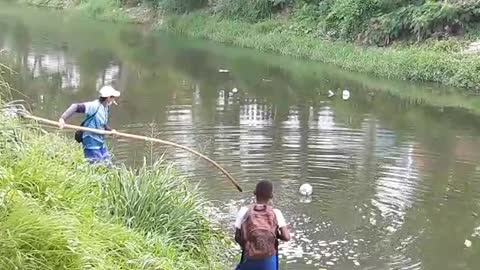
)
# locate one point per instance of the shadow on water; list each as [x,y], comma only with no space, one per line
[395,168]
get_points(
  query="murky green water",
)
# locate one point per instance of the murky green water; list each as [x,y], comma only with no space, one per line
[396,178]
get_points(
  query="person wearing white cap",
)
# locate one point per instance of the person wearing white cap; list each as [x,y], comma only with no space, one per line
[96,116]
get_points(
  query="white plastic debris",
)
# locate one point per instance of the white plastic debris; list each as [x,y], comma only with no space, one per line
[476,232]
[10,112]
[391,229]
[330,93]
[234,90]
[468,243]
[306,189]
[223,70]
[345,94]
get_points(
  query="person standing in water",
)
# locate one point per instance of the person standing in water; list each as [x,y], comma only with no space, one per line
[258,228]
[96,116]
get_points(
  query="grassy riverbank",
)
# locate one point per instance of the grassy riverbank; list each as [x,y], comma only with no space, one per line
[57,212]
[417,63]
[320,31]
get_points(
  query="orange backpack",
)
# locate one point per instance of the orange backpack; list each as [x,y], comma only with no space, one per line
[259,232]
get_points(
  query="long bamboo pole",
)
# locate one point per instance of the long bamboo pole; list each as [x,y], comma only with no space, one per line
[137,137]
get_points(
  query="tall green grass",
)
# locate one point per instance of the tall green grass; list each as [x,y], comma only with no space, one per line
[416,63]
[173,211]
[58,212]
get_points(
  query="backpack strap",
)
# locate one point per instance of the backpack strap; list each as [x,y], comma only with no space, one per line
[90,117]
[247,214]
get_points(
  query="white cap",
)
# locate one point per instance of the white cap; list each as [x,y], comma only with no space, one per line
[108,91]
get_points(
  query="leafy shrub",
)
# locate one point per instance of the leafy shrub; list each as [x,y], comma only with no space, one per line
[347,17]
[180,6]
[306,19]
[431,19]
[379,22]
[249,10]
[103,9]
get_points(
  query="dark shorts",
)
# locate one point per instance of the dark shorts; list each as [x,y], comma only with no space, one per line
[97,155]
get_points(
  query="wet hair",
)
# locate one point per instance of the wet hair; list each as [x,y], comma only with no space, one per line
[264,190]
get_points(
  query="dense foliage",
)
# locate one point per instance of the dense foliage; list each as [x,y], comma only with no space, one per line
[372,22]
[368,21]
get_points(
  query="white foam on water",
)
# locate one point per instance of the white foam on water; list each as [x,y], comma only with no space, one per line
[476,232]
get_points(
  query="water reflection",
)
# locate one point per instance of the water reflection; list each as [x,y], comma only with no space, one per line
[395,182]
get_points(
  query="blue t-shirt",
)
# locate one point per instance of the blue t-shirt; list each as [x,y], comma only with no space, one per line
[99,121]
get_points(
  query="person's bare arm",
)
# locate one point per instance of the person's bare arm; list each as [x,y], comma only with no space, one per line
[284,234]
[283,231]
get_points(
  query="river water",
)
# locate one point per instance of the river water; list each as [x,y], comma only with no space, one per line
[394,169]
